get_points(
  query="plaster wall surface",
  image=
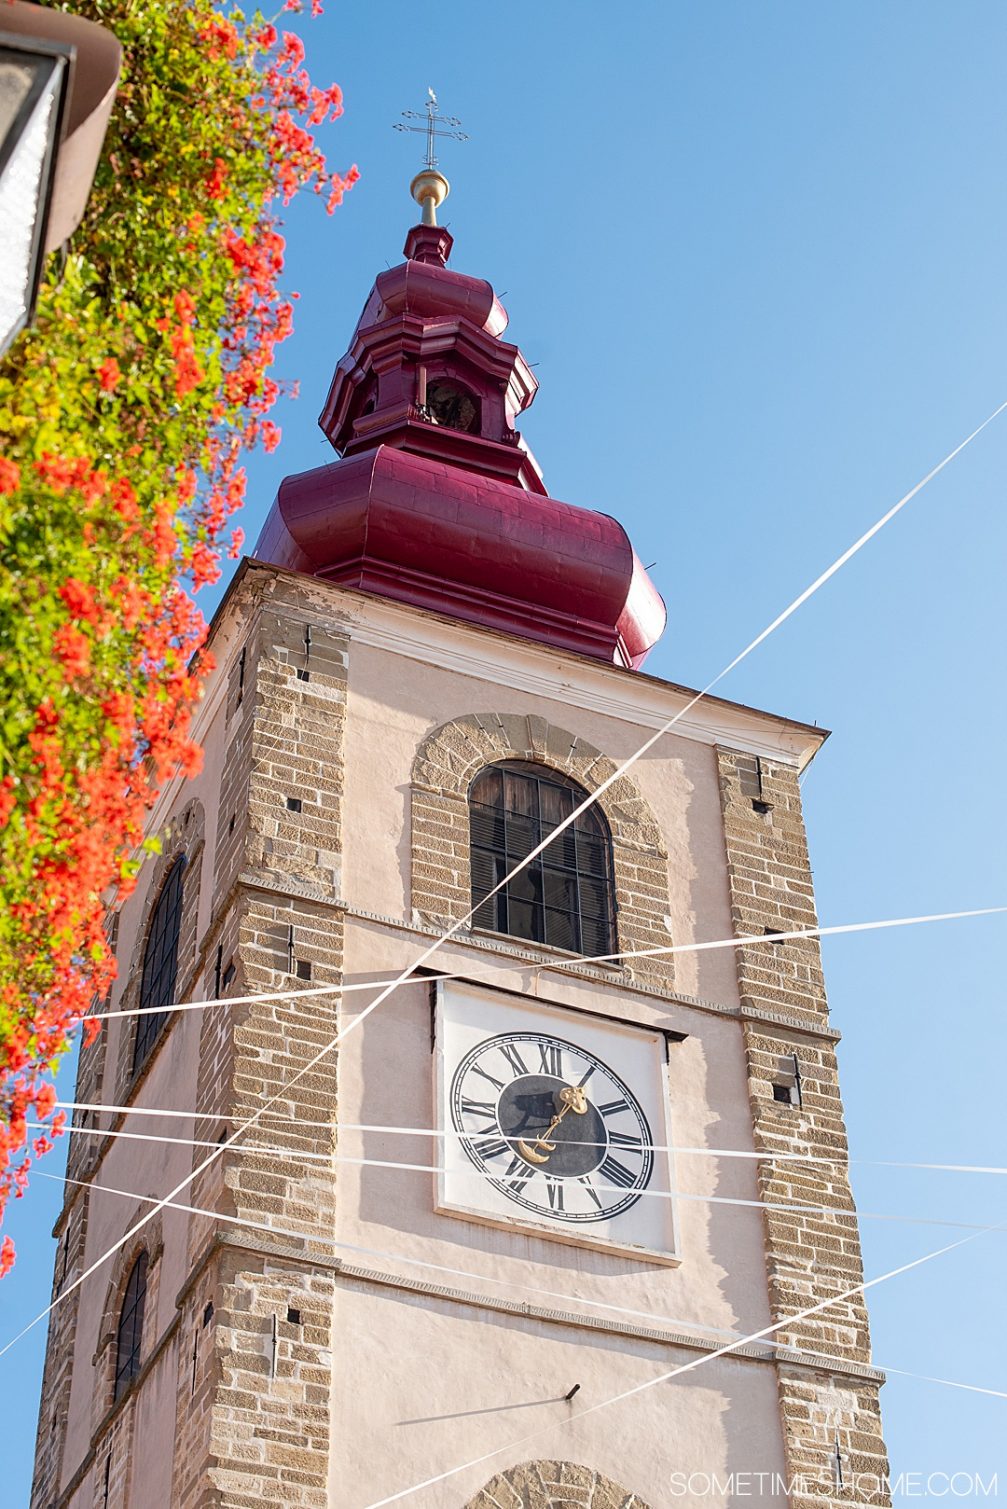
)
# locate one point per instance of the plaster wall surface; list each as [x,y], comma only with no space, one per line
[489,1379]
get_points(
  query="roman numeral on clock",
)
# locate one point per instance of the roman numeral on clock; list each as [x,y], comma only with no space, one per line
[554,1190]
[613,1107]
[625,1139]
[617,1173]
[477,1069]
[514,1058]
[517,1166]
[492,1147]
[551,1055]
[477,1108]
[585,1179]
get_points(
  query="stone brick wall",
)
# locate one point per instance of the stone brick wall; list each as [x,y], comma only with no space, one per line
[51,1435]
[253,1405]
[809,1256]
[553,1485]
[448,760]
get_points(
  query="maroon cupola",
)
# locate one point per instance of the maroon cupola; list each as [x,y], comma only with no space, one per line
[437,500]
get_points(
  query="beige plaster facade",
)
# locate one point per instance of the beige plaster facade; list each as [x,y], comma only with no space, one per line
[316,1332]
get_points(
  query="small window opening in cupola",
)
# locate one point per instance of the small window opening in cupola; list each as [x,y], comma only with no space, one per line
[450,405]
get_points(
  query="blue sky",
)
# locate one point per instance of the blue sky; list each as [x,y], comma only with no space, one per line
[757,252]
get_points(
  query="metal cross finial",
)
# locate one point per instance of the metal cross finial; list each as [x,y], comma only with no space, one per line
[430,127]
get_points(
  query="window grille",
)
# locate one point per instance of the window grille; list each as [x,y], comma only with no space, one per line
[130,1332]
[565,897]
[160,963]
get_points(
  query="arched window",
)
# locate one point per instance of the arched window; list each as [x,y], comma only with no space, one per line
[130,1333]
[564,897]
[160,963]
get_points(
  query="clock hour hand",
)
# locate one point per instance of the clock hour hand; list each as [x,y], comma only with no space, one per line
[572,1098]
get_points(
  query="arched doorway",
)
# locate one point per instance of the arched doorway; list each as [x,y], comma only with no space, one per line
[553,1485]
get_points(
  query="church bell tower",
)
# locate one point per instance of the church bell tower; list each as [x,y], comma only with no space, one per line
[481,1246]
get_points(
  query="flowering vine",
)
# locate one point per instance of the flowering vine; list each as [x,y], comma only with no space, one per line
[124,417]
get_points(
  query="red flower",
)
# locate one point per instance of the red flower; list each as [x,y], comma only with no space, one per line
[7,1258]
[216,180]
[124,499]
[45,1099]
[109,374]
[10,476]
[79,599]
[73,649]
[292,54]
[7,799]
[205,566]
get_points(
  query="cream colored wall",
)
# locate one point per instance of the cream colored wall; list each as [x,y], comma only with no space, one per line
[487,1379]
[405,1359]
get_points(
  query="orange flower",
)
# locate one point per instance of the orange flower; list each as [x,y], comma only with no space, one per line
[10,476]
[73,649]
[109,374]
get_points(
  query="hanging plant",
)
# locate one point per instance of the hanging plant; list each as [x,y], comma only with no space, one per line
[125,414]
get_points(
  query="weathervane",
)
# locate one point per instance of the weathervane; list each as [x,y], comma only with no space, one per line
[429,129]
[430,188]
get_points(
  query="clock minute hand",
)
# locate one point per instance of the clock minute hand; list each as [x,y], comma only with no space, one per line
[572,1098]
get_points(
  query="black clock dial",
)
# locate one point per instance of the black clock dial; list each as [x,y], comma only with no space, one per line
[552,1126]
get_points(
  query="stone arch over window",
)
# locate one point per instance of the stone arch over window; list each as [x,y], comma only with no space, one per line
[448,760]
[183,842]
[553,1485]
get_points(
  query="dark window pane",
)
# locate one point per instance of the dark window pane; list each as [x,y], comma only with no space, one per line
[526,886]
[522,835]
[160,963]
[559,890]
[556,802]
[520,794]
[561,930]
[564,896]
[130,1332]
[488,788]
[592,854]
[562,851]
[524,920]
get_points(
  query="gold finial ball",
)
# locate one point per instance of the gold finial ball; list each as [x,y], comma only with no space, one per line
[430,189]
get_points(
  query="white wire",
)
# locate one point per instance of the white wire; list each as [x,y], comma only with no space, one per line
[653,1318]
[687,1367]
[296,1155]
[395,1257]
[973,1388]
[652,1147]
[560,964]
[445,937]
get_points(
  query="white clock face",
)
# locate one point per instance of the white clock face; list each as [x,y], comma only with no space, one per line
[555,1120]
[579,1157]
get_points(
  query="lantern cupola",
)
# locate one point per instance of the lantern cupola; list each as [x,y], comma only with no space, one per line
[437,500]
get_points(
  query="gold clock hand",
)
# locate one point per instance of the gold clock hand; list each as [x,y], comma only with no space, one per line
[572,1098]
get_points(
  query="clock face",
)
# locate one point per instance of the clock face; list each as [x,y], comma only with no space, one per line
[552,1126]
[553,1121]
